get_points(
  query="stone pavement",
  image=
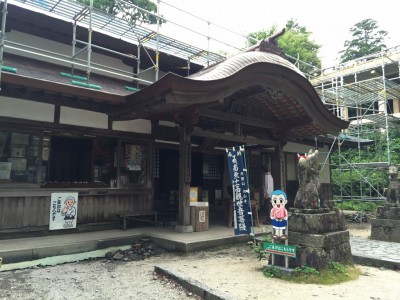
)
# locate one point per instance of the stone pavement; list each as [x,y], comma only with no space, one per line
[365,251]
[33,248]
[375,253]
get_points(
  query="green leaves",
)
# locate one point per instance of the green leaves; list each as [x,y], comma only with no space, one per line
[367,39]
[306,271]
[126,10]
[296,42]
[272,272]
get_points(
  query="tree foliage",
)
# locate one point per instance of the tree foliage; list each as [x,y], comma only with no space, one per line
[366,39]
[296,42]
[127,11]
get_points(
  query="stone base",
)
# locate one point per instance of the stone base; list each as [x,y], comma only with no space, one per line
[183,228]
[385,230]
[320,238]
[388,211]
[319,250]
[316,220]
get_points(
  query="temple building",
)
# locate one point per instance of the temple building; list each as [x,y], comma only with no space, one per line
[121,124]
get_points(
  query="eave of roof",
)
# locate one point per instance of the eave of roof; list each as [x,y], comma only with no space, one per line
[212,86]
[278,101]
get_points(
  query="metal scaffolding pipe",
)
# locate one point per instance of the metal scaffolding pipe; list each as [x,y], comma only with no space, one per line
[158,39]
[89,45]
[3,35]
[386,112]
[67,59]
[108,50]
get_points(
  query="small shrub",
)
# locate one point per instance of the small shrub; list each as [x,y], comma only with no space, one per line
[357,205]
[306,271]
[337,268]
[257,248]
[272,272]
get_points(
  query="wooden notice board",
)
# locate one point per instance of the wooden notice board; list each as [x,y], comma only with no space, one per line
[199,216]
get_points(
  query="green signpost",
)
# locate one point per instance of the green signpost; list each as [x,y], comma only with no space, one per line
[280,249]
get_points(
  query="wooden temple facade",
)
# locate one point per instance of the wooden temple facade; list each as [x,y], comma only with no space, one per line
[127,152]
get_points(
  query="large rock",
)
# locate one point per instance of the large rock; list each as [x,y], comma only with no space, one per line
[307,195]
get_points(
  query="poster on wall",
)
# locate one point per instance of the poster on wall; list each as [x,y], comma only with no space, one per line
[5,170]
[63,210]
[193,194]
[133,157]
[18,164]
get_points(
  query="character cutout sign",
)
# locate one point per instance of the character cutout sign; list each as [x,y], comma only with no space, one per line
[279,215]
[63,210]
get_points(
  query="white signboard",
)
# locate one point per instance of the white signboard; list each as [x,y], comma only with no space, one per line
[202,216]
[63,210]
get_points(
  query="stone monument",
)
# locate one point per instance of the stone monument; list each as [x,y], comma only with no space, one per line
[319,233]
[386,226]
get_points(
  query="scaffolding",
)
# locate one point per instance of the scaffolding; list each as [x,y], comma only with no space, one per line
[365,92]
[358,91]
[145,36]
[115,26]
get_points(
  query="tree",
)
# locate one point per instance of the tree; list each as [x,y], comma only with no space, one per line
[127,10]
[297,44]
[367,39]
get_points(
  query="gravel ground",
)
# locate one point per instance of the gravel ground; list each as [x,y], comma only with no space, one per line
[233,270]
[93,279]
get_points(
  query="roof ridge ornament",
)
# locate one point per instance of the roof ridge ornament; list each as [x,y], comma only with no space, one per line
[269,45]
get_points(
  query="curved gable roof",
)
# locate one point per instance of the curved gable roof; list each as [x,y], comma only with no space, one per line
[240,61]
[266,94]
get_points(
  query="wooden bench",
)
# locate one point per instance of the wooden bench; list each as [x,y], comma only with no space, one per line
[137,216]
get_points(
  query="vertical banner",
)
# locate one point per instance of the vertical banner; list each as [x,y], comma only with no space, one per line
[241,192]
[63,210]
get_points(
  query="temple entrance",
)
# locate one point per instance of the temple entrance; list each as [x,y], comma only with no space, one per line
[166,185]
[207,175]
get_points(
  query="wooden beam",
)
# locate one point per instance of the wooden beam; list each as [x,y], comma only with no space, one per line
[208,144]
[53,98]
[66,89]
[234,138]
[229,117]
[295,123]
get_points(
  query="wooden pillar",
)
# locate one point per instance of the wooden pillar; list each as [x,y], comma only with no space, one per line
[185,172]
[280,181]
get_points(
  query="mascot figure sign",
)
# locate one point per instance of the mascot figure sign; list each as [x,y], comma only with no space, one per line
[279,215]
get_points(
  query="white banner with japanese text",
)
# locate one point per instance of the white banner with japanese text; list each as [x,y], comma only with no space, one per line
[241,193]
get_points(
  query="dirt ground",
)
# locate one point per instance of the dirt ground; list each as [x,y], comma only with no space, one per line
[361,230]
[237,273]
[233,270]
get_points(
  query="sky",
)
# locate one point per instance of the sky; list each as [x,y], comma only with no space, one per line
[329,21]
